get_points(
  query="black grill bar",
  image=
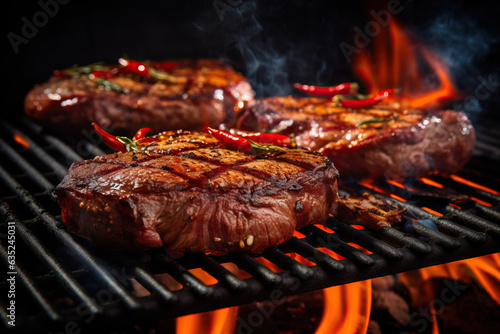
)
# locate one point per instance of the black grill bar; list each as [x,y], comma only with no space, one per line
[33,148]
[66,276]
[223,275]
[369,242]
[340,247]
[256,269]
[183,276]
[483,224]
[153,285]
[288,263]
[441,239]
[403,239]
[32,287]
[446,225]
[78,251]
[313,254]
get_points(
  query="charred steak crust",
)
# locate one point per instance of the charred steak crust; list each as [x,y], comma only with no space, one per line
[192,194]
[406,143]
[208,92]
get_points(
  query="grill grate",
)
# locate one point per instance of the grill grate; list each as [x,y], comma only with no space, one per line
[62,279]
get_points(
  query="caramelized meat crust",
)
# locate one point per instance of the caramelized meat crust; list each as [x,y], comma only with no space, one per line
[381,141]
[201,92]
[190,193]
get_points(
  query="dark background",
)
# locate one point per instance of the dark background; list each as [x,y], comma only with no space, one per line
[274,43]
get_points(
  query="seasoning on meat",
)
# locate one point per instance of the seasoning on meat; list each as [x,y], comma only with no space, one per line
[191,193]
[381,141]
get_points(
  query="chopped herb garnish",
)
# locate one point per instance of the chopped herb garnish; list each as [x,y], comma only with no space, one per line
[111,86]
[374,120]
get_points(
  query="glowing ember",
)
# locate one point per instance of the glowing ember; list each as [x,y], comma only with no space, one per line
[432,211]
[480,201]
[396,184]
[397,197]
[21,141]
[473,184]
[432,183]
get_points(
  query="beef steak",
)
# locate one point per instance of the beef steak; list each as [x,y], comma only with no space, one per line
[191,193]
[196,93]
[380,141]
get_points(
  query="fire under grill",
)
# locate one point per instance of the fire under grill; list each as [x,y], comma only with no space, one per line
[62,279]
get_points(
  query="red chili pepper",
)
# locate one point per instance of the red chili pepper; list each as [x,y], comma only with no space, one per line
[348,88]
[147,140]
[141,133]
[165,65]
[242,144]
[109,139]
[102,74]
[369,102]
[269,138]
[231,141]
[60,73]
[134,67]
[387,92]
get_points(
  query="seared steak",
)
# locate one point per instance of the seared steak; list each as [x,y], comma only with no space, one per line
[194,93]
[188,192]
[371,211]
[381,141]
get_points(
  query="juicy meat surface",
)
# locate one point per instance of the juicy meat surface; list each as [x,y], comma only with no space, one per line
[190,193]
[368,210]
[201,92]
[381,141]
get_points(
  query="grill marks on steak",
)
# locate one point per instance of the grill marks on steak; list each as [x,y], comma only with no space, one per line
[407,143]
[207,92]
[192,194]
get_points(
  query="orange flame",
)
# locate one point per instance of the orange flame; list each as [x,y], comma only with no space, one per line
[483,270]
[213,322]
[347,308]
[397,61]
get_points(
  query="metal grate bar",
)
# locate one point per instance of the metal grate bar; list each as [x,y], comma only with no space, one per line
[288,263]
[449,226]
[154,286]
[340,247]
[483,224]
[407,240]
[467,189]
[183,276]
[315,255]
[256,269]
[65,278]
[488,212]
[220,273]
[37,177]
[37,151]
[440,238]
[368,242]
[462,233]
[32,287]
[65,237]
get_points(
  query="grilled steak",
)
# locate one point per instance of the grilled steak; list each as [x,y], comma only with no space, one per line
[368,210]
[192,194]
[193,93]
[382,141]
